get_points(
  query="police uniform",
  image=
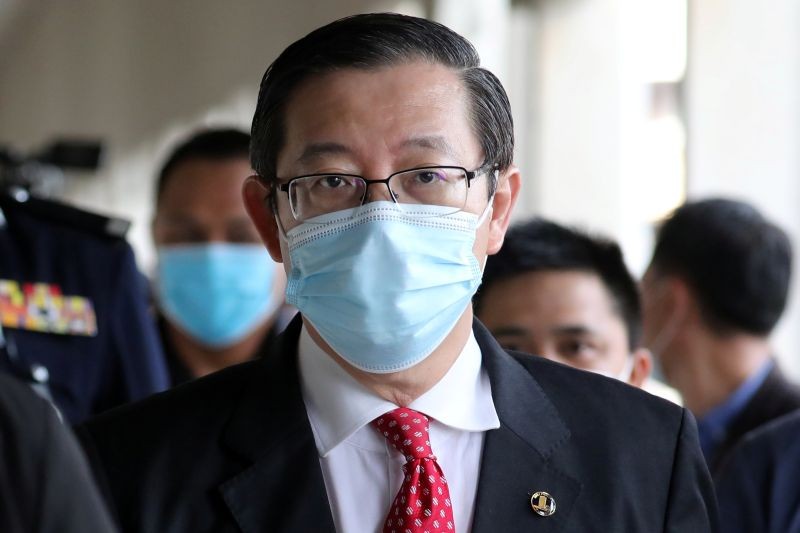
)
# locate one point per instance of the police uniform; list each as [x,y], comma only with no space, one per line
[73,307]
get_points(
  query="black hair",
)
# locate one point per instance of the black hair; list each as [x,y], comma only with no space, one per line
[371,41]
[210,144]
[736,263]
[541,245]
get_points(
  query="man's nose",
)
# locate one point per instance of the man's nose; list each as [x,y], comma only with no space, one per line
[378,191]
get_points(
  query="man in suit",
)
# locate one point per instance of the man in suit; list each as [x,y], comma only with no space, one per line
[715,288]
[759,489]
[383,153]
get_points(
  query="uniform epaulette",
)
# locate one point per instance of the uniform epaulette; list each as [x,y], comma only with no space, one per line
[65,214]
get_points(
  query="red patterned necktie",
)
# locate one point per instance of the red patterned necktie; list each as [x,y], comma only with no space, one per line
[423,503]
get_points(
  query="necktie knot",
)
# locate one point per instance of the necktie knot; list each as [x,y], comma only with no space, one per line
[407,431]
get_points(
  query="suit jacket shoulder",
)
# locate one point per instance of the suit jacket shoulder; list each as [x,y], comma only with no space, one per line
[232,451]
[161,459]
[776,397]
[759,489]
[45,485]
[60,216]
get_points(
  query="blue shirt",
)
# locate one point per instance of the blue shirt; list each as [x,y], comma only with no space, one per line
[713,427]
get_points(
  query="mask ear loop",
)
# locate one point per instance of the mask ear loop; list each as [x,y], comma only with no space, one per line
[486,210]
[625,374]
[489,205]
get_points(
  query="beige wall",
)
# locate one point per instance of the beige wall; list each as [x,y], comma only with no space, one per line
[138,75]
[744,118]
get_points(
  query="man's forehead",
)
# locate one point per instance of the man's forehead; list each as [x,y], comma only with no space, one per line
[576,295]
[192,179]
[413,105]
[415,84]
[431,143]
[347,79]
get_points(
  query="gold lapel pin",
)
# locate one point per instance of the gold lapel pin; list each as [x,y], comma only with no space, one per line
[543,504]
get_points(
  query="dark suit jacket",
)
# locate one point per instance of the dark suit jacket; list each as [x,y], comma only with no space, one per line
[235,452]
[45,483]
[759,489]
[776,397]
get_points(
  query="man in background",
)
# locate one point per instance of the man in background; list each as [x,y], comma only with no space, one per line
[217,290]
[567,296]
[715,288]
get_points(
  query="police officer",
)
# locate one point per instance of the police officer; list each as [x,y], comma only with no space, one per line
[73,307]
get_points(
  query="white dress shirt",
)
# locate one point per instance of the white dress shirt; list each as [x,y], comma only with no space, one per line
[362,472]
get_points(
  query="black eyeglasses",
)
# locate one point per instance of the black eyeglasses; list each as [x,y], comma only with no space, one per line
[319,194]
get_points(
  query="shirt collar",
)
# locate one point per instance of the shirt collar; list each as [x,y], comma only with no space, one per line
[713,427]
[338,406]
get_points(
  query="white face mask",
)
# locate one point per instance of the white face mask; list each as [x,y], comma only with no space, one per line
[624,374]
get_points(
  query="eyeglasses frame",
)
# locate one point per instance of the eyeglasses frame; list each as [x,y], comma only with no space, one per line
[468,174]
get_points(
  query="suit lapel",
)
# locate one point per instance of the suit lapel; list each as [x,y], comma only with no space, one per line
[282,489]
[518,458]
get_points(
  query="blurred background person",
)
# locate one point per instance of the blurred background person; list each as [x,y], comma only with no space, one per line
[559,293]
[45,482]
[715,288]
[217,291]
[74,318]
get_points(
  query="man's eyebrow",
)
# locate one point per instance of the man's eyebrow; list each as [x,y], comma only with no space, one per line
[509,330]
[315,150]
[572,330]
[177,219]
[431,142]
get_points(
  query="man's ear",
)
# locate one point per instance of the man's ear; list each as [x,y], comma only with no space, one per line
[681,301]
[256,198]
[505,198]
[642,366]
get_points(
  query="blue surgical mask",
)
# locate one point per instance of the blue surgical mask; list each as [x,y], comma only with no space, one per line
[381,287]
[216,293]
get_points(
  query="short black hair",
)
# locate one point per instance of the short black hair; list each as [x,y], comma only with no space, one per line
[541,245]
[216,144]
[370,41]
[736,263]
